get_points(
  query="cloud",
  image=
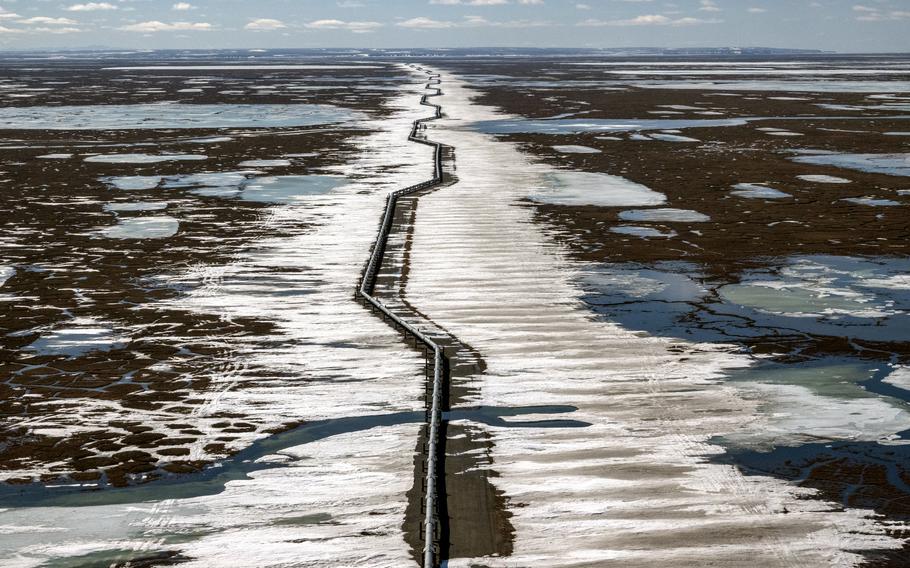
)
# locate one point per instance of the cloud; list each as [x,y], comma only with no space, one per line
[349,4]
[49,21]
[4,15]
[422,23]
[709,6]
[648,20]
[156,26]
[873,14]
[355,27]
[66,30]
[756,10]
[91,7]
[264,24]
[582,6]
[183,6]
[481,2]
[6,30]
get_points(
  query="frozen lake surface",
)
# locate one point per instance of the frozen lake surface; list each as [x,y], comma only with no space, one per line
[170,115]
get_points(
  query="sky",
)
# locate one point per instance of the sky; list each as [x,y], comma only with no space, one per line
[836,25]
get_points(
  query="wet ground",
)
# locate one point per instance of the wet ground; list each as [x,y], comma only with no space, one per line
[679,298]
[760,205]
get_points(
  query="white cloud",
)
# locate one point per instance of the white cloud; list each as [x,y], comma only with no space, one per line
[648,20]
[356,27]
[4,15]
[349,4]
[91,7]
[531,2]
[481,2]
[582,6]
[709,6]
[469,22]
[156,26]
[756,10]
[65,30]
[49,21]
[425,24]
[6,30]
[873,14]
[183,6]
[264,24]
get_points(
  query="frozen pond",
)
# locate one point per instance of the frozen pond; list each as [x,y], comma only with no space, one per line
[573,125]
[264,163]
[142,228]
[664,137]
[830,295]
[569,149]
[597,189]
[133,183]
[643,232]
[81,336]
[136,206]
[824,295]
[786,86]
[891,164]
[667,214]
[823,179]
[248,186]
[144,158]
[289,189]
[170,115]
[757,191]
[6,272]
[872,202]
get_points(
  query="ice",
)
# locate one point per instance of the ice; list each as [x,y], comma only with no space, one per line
[144,158]
[79,337]
[637,480]
[136,206]
[142,228]
[665,215]
[891,164]
[643,232]
[239,67]
[55,157]
[899,377]
[672,137]
[264,163]
[211,140]
[597,189]
[757,191]
[289,189]
[170,115]
[832,86]
[6,272]
[569,149]
[251,186]
[823,179]
[133,183]
[855,293]
[573,125]
[872,202]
